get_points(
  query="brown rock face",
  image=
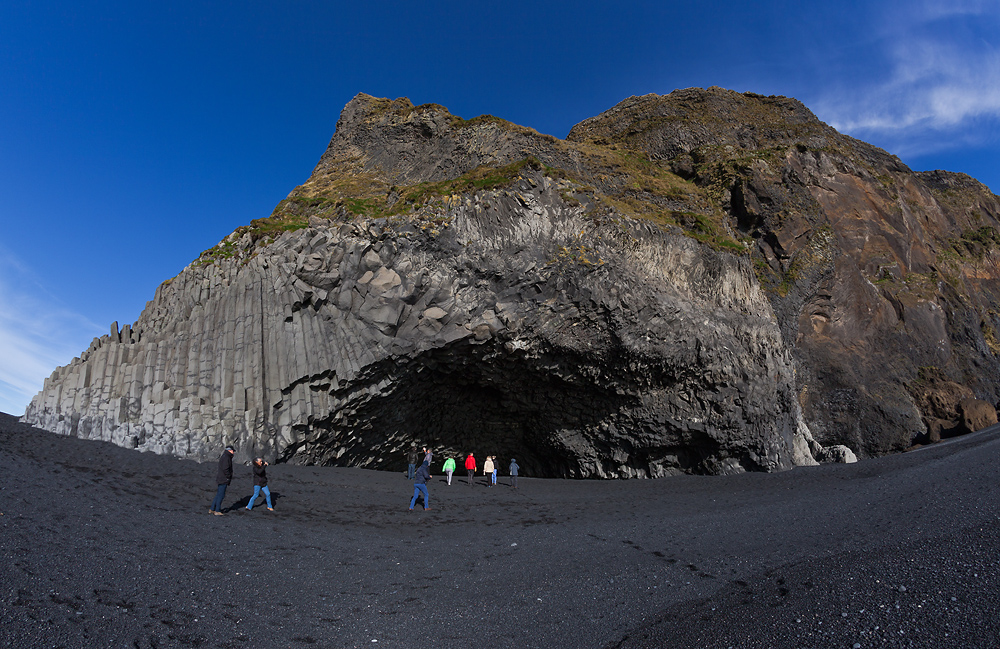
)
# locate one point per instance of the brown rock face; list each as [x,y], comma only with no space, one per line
[874,271]
[937,397]
[937,429]
[976,415]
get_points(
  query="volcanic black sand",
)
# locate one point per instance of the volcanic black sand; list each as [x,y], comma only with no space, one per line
[105,547]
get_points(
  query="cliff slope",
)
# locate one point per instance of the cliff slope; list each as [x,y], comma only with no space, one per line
[688,282]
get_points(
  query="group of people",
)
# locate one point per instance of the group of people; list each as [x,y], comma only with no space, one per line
[419,475]
[490,469]
[224,476]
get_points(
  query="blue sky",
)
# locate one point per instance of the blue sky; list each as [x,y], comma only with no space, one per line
[135,135]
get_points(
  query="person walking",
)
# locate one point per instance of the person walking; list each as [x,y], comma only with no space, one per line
[470,466]
[223,477]
[496,467]
[420,479]
[260,484]
[449,468]
[428,456]
[488,470]
[513,472]
[411,460]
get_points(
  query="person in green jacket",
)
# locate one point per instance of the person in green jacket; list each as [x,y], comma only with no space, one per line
[449,468]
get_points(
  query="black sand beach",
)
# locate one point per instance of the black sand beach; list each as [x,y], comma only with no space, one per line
[105,547]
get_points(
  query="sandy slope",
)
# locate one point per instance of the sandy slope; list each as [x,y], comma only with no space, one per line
[100,546]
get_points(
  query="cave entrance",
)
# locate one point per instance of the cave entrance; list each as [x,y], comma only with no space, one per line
[485,400]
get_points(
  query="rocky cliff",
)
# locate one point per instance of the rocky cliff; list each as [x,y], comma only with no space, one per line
[687,283]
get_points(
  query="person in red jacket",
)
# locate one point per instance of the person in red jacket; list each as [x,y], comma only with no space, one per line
[470,466]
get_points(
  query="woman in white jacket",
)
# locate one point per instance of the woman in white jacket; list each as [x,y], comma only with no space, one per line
[490,470]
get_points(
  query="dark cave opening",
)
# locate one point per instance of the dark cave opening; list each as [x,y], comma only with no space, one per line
[476,398]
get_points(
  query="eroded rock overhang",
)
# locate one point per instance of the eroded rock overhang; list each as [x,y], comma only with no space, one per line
[510,322]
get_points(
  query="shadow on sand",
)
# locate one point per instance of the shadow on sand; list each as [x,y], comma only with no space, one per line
[260,502]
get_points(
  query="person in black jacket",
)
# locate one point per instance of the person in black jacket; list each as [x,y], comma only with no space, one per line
[260,484]
[411,461]
[420,479]
[223,477]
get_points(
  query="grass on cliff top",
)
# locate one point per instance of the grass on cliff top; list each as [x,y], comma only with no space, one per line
[614,174]
[645,189]
[479,179]
[629,181]
[708,229]
[511,127]
[225,249]
[970,245]
[343,197]
[959,260]
[641,174]
[960,187]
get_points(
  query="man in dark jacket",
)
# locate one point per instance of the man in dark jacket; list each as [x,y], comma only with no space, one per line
[411,461]
[223,477]
[420,486]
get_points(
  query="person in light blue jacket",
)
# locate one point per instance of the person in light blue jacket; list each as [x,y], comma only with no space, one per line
[513,472]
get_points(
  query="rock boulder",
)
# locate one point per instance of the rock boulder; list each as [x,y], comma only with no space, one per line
[976,415]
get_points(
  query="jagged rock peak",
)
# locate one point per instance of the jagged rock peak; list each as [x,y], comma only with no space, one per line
[402,144]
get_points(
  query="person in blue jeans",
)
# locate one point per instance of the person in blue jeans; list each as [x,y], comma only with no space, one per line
[420,479]
[411,461]
[260,484]
[222,477]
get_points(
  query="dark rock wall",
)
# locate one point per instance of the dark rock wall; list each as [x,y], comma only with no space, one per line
[506,324]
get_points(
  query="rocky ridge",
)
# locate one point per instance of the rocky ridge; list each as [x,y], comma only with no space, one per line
[690,282]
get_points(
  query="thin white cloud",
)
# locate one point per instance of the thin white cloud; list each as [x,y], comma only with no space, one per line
[37,334]
[930,10]
[942,86]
